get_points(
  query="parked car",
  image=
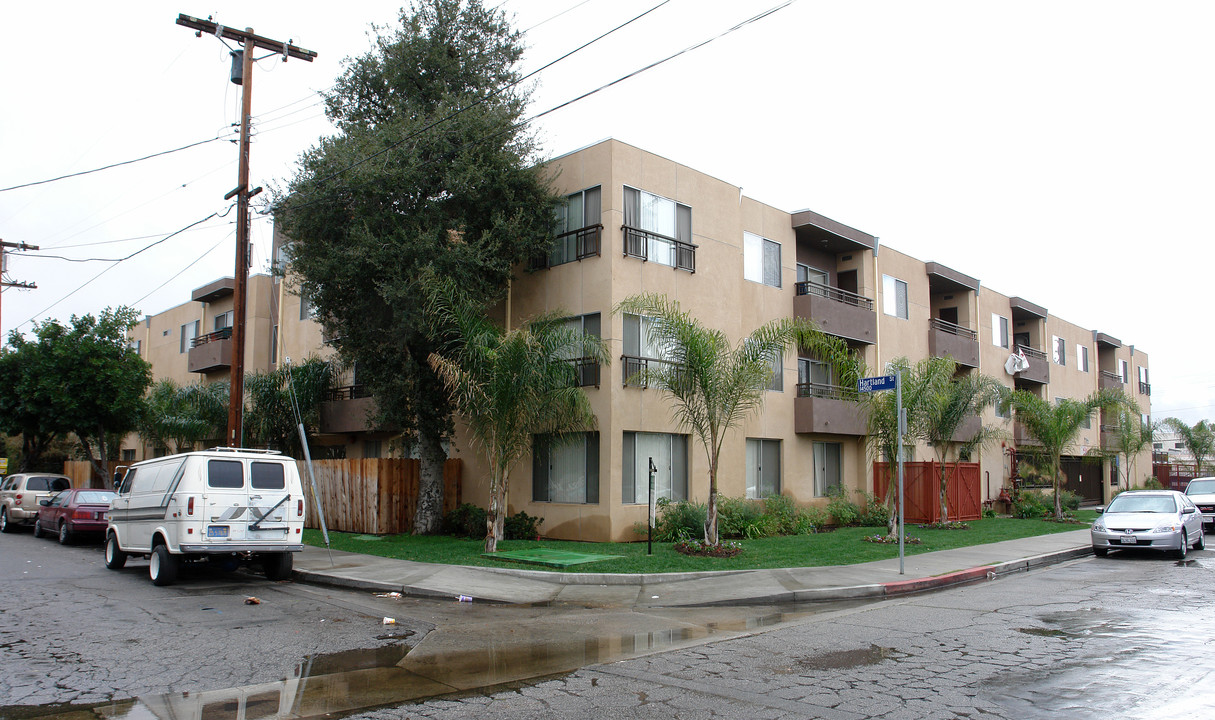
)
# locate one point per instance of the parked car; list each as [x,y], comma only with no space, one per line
[20,494]
[1151,519]
[1201,491]
[225,504]
[73,512]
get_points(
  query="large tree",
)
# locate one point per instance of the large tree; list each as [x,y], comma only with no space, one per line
[1056,426]
[430,169]
[510,386]
[1199,439]
[715,385]
[84,379]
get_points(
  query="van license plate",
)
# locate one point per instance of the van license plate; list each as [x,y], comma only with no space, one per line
[217,531]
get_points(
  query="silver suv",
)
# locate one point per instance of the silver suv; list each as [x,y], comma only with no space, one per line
[21,493]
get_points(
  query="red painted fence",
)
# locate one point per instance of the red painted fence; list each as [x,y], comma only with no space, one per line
[922,484]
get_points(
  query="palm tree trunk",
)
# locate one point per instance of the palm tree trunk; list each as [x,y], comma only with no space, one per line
[891,512]
[494,519]
[943,494]
[1058,504]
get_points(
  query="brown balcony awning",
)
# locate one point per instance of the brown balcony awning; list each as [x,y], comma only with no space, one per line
[211,292]
[827,234]
[1106,340]
[1022,308]
[944,279]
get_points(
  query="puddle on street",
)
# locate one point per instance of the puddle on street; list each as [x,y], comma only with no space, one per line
[845,659]
[1042,632]
[346,682]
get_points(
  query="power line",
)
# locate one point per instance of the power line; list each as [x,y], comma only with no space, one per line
[187,267]
[114,165]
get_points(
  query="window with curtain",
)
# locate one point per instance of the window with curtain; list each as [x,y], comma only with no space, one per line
[670,455]
[566,470]
[894,297]
[827,468]
[761,260]
[814,377]
[189,331]
[999,330]
[639,340]
[1059,347]
[1082,357]
[587,373]
[656,216]
[763,468]
[576,212]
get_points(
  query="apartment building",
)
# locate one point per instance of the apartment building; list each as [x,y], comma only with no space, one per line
[636,222]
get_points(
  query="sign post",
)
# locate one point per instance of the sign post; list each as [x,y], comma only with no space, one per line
[653,511]
[892,382]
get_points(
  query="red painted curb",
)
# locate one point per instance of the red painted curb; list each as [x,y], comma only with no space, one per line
[909,586]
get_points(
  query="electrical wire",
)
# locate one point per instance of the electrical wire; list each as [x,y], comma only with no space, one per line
[114,165]
[187,267]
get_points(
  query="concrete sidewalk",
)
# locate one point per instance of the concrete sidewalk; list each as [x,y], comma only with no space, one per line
[516,585]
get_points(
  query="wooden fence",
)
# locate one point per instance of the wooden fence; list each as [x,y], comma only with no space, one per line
[922,486]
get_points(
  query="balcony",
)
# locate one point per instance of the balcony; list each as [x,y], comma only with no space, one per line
[1145,388]
[1107,380]
[635,368]
[1038,370]
[946,339]
[661,249]
[586,372]
[826,409]
[348,409]
[1109,436]
[210,352]
[1021,436]
[836,312]
[587,242]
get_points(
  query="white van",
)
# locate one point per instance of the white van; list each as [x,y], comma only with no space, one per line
[222,504]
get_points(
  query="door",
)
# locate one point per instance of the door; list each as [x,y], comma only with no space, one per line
[949,315]
[225,501]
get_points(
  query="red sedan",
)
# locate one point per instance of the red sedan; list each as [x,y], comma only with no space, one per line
[71,512]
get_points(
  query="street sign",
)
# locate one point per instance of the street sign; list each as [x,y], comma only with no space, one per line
[873,384]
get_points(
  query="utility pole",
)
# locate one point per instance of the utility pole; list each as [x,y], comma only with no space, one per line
[4,268]
[249,42]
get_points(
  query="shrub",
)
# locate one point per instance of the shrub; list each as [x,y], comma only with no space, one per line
[841,509]
[468,520]
[737,517]
[679,520]
[1029,505]
[988,512]
[1069,500]
[521,526]
[786,518]
[1152,484]
[873,513]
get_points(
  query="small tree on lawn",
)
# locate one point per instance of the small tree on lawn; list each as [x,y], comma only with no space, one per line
[1056,426]
[714,386]
[510,386]
[882,427]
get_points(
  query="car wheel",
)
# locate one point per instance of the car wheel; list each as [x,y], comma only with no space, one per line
[1201,542]
[1185,546]
[38,528]
[5,525]
[114,557]
[163,566]
[277,566]
[65,533]
[1101,552]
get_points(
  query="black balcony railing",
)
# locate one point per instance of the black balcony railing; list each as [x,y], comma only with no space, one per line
[348,392]
[587,243]
[810,287]
[952,328]
[635,368]
[637,244]
[221,334]
[1030,352]
[586,372]
[1109,428]
[1112,377]
[826,391]
[1145,388]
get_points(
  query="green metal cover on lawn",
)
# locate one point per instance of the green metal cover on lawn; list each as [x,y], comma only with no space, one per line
[551,558]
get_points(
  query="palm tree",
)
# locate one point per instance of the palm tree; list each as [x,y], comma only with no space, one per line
[1131,436]
[276,395]
[1199,439]
[184,415]
[948,401]
[510,386]
[1056,426]
[714,386]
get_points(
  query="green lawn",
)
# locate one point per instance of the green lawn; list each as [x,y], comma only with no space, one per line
[841,547]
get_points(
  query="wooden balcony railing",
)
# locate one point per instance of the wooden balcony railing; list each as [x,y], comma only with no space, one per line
[810,287]
[637,244]
[952,328]
[221,334]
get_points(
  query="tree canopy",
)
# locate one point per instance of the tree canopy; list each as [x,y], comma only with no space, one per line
[1199,439]
[184,415]
[431,170]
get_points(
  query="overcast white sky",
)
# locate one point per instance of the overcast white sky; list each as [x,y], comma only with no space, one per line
[1060,151]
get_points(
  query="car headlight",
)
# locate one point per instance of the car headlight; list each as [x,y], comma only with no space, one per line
[1099,526]
[1166,528]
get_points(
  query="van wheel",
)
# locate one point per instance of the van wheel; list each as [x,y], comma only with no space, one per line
[114,558]
[277,566]
[163,566]
[38,528]
[65,534]
[5,525]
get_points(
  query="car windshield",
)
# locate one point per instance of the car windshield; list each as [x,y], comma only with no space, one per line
[1201,487]
[1142,504]
[97,497]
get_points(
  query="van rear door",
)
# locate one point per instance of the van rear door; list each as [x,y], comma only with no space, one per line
[269,501]
[225,501]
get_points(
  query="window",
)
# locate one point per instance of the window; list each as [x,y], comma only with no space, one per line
[305,308]
[827,475]
[640,346]
[576,229]
[274,344]
[1124,372]
[1143,374]
[135,346]
[189,331]
[1082,357]
[566,470]
[778,372]
[761,260]
[225,474]
[805,273]
[587,371]
[815,378]
[763,468]
[223,320]
[371,449]
[658,230]
[128,455]
[670,456]
[1157,446]
[267,476]
[1059,345]
[999,330]
[1178,446]
[894,297]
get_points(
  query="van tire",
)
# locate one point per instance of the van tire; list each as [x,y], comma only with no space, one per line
[277,566]
[115,558]
[5,524]
[163,566]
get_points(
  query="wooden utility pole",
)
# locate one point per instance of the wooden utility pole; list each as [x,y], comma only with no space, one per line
[249,42]
[4,268]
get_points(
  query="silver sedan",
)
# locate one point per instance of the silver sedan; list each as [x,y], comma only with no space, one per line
[1151,519]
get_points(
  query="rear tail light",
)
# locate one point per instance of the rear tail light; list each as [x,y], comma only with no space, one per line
[79,514]
[299,508]
[190,506]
